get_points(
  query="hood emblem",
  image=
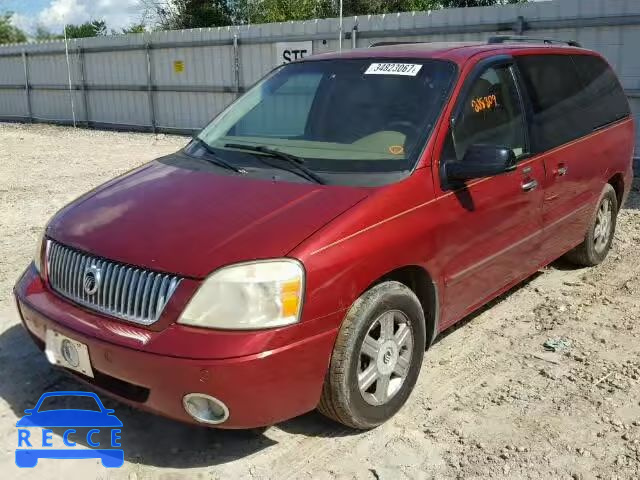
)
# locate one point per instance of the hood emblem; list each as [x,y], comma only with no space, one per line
[91,280]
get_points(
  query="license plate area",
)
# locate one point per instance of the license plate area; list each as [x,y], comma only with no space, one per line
[68,353]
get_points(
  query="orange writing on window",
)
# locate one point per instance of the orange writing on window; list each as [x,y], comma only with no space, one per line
[481,104]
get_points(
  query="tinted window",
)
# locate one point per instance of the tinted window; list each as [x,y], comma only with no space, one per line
[492,114]
[605,98]
[557,98]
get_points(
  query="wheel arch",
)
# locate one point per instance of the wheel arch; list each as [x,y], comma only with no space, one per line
[422,284]
[617,182]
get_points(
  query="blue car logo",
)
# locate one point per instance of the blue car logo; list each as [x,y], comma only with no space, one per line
[28,453]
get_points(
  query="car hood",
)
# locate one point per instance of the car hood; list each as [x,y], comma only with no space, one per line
[172,216]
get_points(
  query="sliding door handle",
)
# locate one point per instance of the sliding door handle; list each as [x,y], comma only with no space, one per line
[530,185]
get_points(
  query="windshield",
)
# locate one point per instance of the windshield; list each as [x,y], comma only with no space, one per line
[349,116]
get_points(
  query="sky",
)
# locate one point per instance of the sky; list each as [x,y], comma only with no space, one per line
[54,14]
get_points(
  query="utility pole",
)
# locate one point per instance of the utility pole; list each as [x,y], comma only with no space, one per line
[66,50]
[340,29]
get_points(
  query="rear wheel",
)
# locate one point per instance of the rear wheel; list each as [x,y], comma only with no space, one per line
[599,237]
[376,359]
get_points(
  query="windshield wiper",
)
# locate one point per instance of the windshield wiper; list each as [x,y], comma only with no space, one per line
[294,160]
[215,159]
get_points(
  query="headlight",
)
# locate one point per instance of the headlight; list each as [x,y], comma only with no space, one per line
[38,256]
[249,296]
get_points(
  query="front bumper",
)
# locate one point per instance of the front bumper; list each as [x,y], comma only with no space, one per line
[259,389]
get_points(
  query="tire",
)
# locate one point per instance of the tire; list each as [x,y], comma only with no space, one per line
[597,242]
[385,308]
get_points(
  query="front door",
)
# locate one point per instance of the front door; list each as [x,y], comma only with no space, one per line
[491,232]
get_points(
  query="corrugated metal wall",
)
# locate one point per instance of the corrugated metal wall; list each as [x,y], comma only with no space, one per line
[177,81]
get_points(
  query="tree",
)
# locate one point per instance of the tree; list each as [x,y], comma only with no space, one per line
[8,32]
[178,14]
[43,34]
[377,7]
[181,14]
[135,28]
[94,28]
[476,3]
[202,13]
[268,11]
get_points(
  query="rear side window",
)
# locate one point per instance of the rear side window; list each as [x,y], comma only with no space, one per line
[606,100]
[558,100]
[571,96]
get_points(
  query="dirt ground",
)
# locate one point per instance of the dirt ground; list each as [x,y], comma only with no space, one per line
[490,402]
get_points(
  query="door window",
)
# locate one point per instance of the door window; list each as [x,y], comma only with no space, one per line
[492,115]
[605,100]
[557,99]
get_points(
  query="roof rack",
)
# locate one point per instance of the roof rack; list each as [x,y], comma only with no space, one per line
[547,41]
[387,44]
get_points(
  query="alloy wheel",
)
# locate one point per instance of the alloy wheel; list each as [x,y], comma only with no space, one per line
[602,230]
[385,357]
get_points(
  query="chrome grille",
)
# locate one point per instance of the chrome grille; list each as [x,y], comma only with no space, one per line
[125,292]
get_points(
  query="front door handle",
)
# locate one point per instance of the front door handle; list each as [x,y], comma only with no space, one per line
[562,170]
[530,185]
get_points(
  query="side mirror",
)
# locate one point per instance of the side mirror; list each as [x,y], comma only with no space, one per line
[29,411]
[482,161]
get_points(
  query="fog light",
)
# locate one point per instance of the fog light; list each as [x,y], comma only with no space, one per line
[205,409]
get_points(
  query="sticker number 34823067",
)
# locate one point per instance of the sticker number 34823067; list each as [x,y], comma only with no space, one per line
[407,69]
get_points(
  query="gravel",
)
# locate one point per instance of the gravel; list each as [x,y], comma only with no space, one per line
[491,402]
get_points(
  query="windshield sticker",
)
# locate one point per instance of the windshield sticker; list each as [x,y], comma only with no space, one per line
[406,69]
[481,104]
[396,149]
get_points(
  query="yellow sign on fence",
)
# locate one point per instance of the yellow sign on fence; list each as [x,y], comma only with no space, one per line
[178,66]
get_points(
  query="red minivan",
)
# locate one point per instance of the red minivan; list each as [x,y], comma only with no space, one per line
[307,247]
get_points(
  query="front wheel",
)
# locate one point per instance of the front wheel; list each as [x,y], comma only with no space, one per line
[598,239]
[376,359]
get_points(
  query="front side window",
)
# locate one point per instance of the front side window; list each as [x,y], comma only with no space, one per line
[347,116]
[491,115]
